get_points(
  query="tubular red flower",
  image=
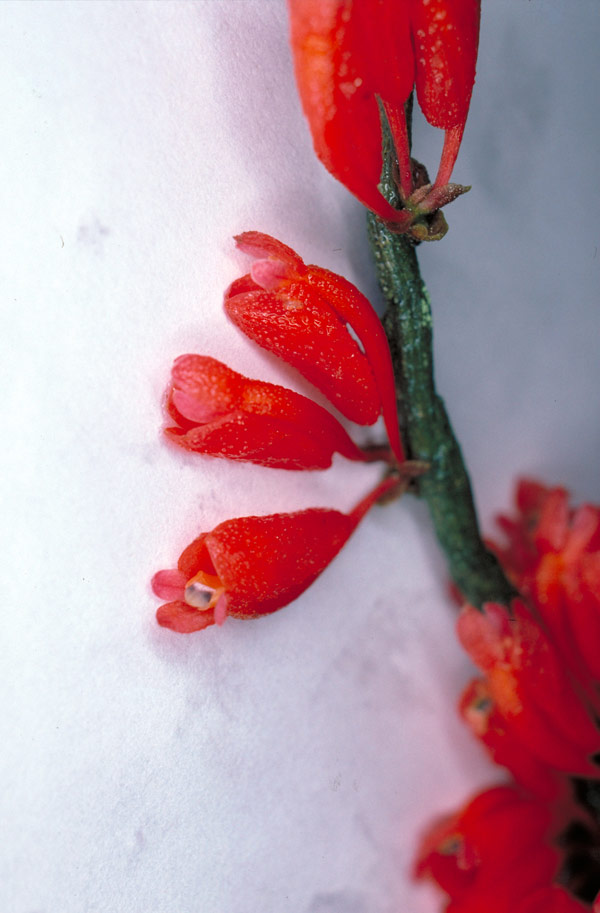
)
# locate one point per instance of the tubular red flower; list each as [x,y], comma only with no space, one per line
[300,313]
[252,566]
[492,853]
[530,686]
[347,54]
[221,413]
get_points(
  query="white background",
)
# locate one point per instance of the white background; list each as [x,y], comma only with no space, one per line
[286,764]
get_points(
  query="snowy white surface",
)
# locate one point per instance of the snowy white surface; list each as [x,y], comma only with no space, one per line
[286,764]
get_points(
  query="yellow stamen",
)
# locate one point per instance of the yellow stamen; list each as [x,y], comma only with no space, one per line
[203,591]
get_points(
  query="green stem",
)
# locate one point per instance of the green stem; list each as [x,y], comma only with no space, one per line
[426,427]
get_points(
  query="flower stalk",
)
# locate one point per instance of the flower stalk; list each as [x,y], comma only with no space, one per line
[425,424]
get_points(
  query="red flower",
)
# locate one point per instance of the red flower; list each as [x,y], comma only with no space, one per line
[300,313]
[478,709]
[536,710]
[349,53]
[530,687]
[253,566]
[554,558]
[221,413]
[491,854]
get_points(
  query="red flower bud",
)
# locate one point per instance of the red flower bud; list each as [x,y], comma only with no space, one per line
[300,313]
[221,413]
[530,686]
[348,54]
[252,566]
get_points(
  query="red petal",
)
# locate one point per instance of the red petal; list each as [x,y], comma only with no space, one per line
[585,531]
[179,616]
[241,286]
[266,441]
[175,415]
[478,708]
[269,274]
[582,598]
[196,558]
[345,54]
[298,325]
[446,36]
[169,584]
[204,388]
[355,309]
[481,634]
[553,524]
[220,610]
[530,496]
[257,244]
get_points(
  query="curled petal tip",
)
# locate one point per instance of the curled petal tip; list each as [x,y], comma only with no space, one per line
[269,274]
[258,244]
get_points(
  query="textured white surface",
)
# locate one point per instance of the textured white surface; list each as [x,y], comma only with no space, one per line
[285,764]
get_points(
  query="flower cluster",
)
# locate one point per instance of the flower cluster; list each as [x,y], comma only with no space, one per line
[251,566]
[498,854]
[554,556]
[350,55]
[515,848]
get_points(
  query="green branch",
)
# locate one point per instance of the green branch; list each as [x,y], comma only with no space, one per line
[426,428]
